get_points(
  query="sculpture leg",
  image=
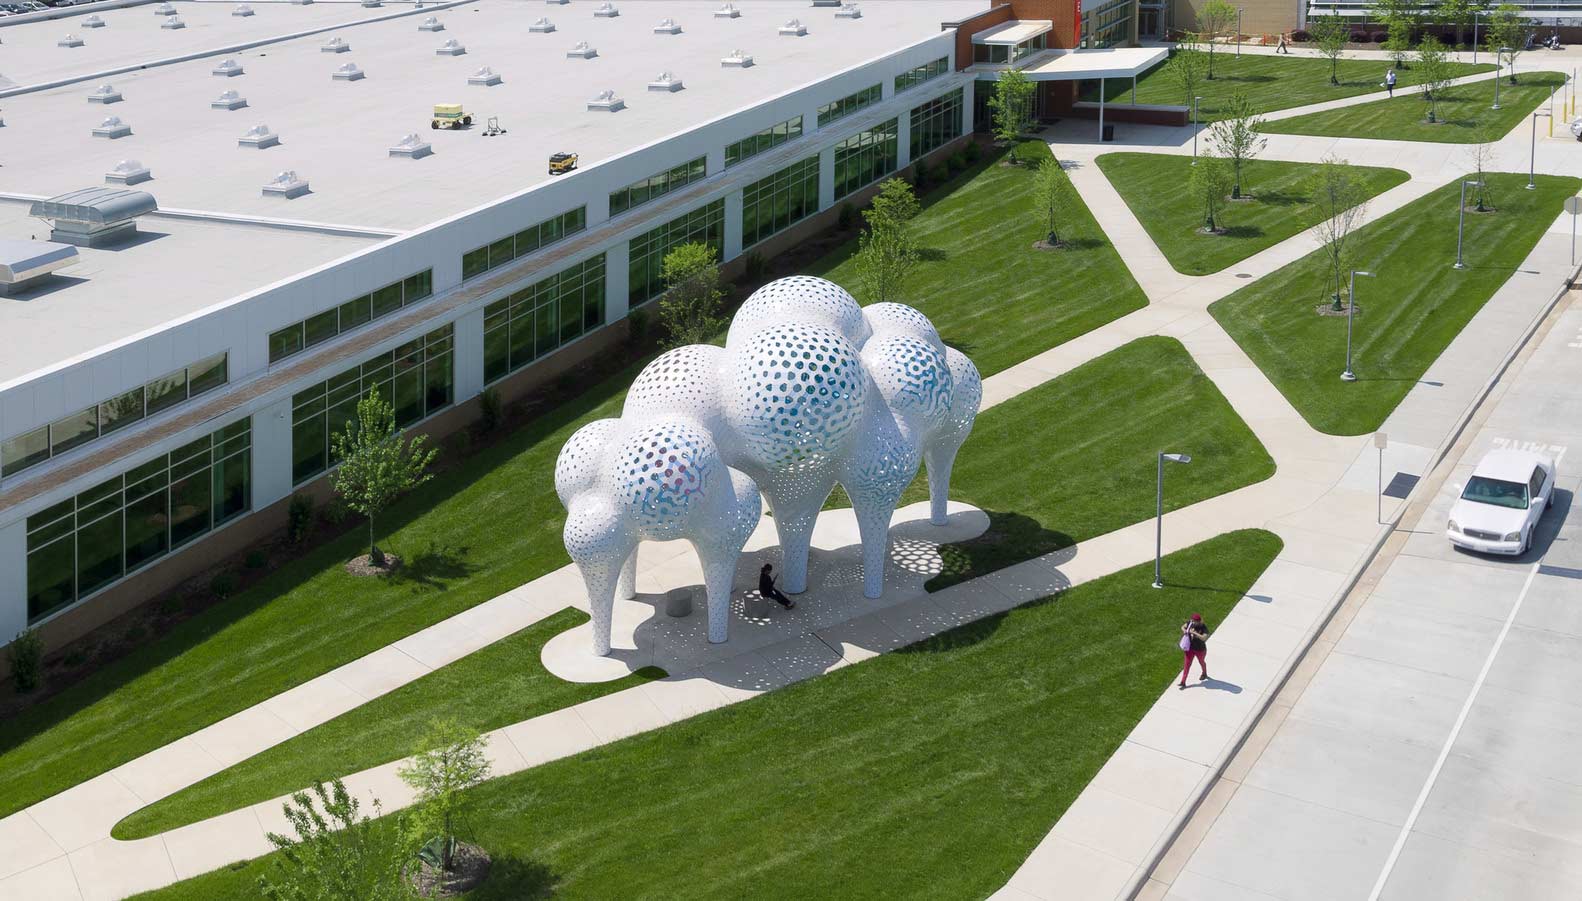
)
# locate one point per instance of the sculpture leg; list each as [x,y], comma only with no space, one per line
[600,577]
[940,460]
[719,575]
[626,586]
[796,535]
[873,524]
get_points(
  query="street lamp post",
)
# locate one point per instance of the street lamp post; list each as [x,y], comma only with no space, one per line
[1159,511]
[1238,32]
[1194,129]
[1532,159]
[1461,221]
[1475,14]
[1499,56]
[1351,311]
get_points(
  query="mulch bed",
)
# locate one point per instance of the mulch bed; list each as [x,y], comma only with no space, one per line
[471,868]
[364,565]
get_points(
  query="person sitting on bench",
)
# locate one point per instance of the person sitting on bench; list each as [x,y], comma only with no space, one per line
[766,587]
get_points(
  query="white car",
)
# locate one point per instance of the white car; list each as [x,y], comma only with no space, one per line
[1499,508]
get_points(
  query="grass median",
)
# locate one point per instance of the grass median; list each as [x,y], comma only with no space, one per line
[1463,115]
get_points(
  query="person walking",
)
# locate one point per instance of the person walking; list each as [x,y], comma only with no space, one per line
[1281,48]
[766,587]
[1194,645]
[1389,81]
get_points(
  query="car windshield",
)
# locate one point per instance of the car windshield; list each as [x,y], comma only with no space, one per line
[1498,492]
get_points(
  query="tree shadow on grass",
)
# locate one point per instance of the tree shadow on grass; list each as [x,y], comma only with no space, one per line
[1010,539]
[1279,198]
[1243,231]
[932,254]
[1081,244]
[513,879]
[434,567]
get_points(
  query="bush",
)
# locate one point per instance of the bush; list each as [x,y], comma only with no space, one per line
[27,659]
[334,512]
[136,634]
[1358,36]
[299,518]
[958,162]
[637,326]
[754,266]
[75,657]
[919,175]
[848,217]
[972,151]
[460,442]
[1380,37]
[1300,36]
[255,559]
[939,174]
[490,410]
[171,604]
[222,586]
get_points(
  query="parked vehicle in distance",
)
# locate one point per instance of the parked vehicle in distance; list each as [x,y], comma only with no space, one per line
[1499,508]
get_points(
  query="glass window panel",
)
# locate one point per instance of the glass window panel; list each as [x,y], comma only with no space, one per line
[47,523]
[166,392]
[474,262]
[356,312]
[51,578]
[190,507]
[285,342]
[231,494]
[416,287]
[147,522]
[544,322]
[309,448]
[570,320]
[321,328]
[526,240]
[74,430]
[25,450]
[387,300]
[408,401]
[496,353]
[501,252]
[99,553]
[437,384]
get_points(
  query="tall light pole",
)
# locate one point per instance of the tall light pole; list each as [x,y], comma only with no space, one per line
[1475,14]
[1499,56]
[1238,32]
[1351,311]
[1159,511]
[1461,221]
[1532,159]
[1194,129]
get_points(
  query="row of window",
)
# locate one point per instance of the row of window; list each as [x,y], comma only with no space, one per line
[935,124]
[771,204]
[1106,25]
[1005,53]
[851,103]
[758,142]
[866,157]
[116,527]
[911,78]
[317,329]
[538,319]
[645,276]
[657,185]
[83,426]
[417,379]
[481,259]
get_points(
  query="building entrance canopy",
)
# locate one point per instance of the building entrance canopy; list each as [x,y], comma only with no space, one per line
[1111,62]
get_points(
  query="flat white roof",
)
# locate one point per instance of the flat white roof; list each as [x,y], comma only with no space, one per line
[1013,32]
[1112,62]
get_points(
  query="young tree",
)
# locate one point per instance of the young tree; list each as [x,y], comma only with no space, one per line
[1210,182]
[1053,196]
[338,854]
[690,307]
[1185,69]
[1341,201]
[1434,69]
[1458,13]
[377,465]
[1507,35]
[1482,157]
[1012,104]
[1399,45]
[1238,137]
[1330,34]
[450,762]
[1213,18]
[886,250]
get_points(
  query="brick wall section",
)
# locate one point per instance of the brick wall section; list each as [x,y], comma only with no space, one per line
[1142,115]
[966,28]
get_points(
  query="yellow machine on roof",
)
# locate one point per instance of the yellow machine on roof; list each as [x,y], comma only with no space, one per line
[449,115]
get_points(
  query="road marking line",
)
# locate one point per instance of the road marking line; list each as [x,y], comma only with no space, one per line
[1455,731]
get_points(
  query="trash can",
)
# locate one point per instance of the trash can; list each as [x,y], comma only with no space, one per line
[678,602]
[1109,133]
[755,606]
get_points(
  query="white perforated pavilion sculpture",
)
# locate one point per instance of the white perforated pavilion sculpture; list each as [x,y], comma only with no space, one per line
[811,390]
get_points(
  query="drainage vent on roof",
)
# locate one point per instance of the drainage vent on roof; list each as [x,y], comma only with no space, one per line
[112,128]
[93,22]
[300,2]
[104,93]
[848,11]
[605,11]
[793,28]
[728,11]
[412,147]
[371,4]
[69,40]
[227,68]
[667,26]
[432,23]
[164,9]
[258,137]
[737,60]
[335,45]
[666,83]
[347,72]
[128,172]
[542,26]
[485,76]
[451,47]
[606,102]
[819,3]
[23,264]
[94,217]
[557,2]
[228,100]
[287,185]
[242,11]
[173,23]
[581,50]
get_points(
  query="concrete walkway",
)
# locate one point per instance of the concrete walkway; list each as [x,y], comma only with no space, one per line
[1321,502]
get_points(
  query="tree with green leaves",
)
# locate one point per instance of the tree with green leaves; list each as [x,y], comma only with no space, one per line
[1460,14]
[1238,137]
[1052,192]
[1341,201]
[1399,41]
[1507,36]
[1435,71]
[689,310]
[377,465]
[1210,182]
[887,250]
[1330,34]
[338,854]
[451,760]
[1213,18]
[1185,69]
[1011,105]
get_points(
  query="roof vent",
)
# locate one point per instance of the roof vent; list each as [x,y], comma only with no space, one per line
[542,26]
[112,128]
[848,11]
[94,217]
[24,263]
[227,68]
[432,23]
[605,11]
[242,11]
[557,2]
[128,172]
[728,11]
[288,185]
[451,47]
[300,2]
[92,22]
[666,83]
[819,3]
[793,28]
[69,40]
[335,45]
[371,4]
[104,94]
[667,26]
[737,60]
[347,72]
[228,100]
[164,9]
[173,23]
[412,147]
[258,137]
[581,50]
[606,102]
[485,76]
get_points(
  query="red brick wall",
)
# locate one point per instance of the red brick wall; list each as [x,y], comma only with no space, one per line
[966,28]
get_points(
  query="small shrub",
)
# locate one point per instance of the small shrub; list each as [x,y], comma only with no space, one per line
[490,410]
[1380,37]
[75,657]
[222,585]
[940,174]
[958,162]
[256,559]
[136,633]
[299,518]
[637,322]
[1360,37]
[334,512]
[460,443]
[1300,36]
[170,605]
[27,659]
[754,266]
[972,152]
[848,217]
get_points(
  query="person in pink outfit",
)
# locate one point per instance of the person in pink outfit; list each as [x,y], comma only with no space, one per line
[1194,638]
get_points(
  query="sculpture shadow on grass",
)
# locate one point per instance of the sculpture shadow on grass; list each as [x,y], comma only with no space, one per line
[1011,538]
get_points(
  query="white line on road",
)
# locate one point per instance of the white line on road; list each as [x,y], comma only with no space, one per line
[1455,731]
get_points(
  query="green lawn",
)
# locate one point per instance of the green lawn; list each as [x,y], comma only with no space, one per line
[1460,113]
[1406,315]
[1150,183]
[1270,82]
[987,290]
[501,684]
[930,772]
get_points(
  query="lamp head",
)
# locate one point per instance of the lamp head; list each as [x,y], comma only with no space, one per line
[1362,272]
[1178,458]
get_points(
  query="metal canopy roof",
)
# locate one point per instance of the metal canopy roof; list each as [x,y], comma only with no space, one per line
[21,260]
[1013,32]
[96,206]
[1113,62]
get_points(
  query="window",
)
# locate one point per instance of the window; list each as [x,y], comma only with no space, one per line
[658,185]
[935,124]
[911,78]
[849,104]
[117,527]
[991,53]
[772,204]
[1498,492]
[706,224]
[90,424]
[768,139]
[1535,485]
[524,242]
[865,157]
[321,327]
[536,320]
[417,379]
[1041,42]
[1106,25]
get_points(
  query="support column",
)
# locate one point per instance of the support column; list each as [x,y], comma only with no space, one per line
[468,355]
[968,104]
[272,453]
[733,226]
[903,134]
[826,178]
[616,274]
[1101,110]
[13,580]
